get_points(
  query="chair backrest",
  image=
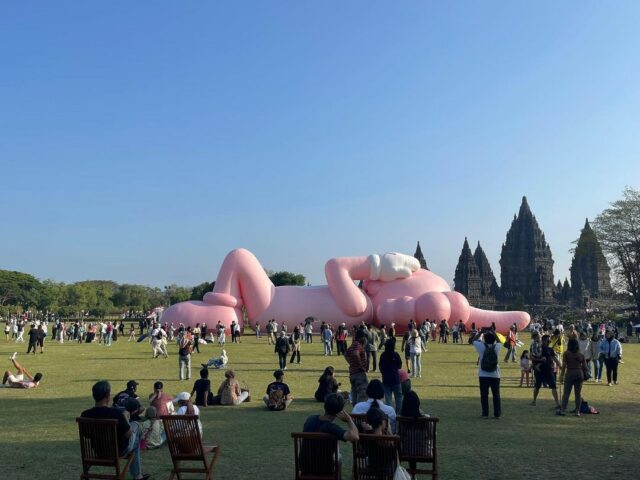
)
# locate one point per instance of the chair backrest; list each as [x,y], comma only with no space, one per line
[417,437]
[375,457]
[183,436]
[98,441]
[316,455]
[359,419]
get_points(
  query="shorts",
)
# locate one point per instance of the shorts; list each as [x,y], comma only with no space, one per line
[15,378]
[544,377]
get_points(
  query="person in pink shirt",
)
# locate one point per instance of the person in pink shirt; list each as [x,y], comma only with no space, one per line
[18,380]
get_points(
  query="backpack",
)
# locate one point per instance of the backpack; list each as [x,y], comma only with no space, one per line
[489,362]
[276,400]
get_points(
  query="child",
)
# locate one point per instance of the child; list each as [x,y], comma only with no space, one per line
[525,367]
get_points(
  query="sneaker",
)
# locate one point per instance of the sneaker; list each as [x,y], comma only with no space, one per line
[13,357]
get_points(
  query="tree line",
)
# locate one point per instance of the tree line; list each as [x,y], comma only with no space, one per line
[21,292]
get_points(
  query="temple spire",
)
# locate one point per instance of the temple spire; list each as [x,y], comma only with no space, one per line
[420,257]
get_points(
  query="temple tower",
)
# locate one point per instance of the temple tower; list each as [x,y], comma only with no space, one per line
[418,255]
[467,276]
[589,268]
[526,265]
[489,289]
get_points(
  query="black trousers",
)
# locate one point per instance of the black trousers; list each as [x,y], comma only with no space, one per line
[487,383]
[611,364]
[31,345]
[296,353]
[373,355]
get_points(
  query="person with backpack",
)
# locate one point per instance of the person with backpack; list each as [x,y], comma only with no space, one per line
[282,349]
[278,395]
[488,372]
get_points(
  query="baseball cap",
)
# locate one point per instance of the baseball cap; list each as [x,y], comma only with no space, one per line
[182,396]
[132,383]
[158,386]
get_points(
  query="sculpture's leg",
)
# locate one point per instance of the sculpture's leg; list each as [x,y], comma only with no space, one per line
[502,320]
[242,281]
[340,273]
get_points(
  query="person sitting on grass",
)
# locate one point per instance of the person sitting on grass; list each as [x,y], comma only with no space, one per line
[17,380]
[375,394]
[152,435]
[128,440]
[327,384]
[202,389]
[121,397]
[230,392]
[333,408]
[217,362]
[278,395]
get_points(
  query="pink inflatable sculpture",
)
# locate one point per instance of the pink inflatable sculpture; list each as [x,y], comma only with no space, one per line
[395,290]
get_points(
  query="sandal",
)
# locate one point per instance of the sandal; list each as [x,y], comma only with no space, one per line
[560,412]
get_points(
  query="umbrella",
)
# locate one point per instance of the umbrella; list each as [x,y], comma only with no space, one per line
[501,337]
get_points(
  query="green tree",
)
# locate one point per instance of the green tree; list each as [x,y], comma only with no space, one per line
[618,229]
[199,290]
[175,294]
[287,278]
[18,288]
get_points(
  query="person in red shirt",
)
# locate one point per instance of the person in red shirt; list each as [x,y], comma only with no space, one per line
[162,402]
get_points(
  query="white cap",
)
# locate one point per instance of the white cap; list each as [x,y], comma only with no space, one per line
[182,396]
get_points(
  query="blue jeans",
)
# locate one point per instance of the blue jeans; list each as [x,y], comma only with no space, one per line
[396,390]
[597,366]
[327,347]
[511,352]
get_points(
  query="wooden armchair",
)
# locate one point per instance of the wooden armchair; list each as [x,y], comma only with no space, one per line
[375,457]
[316,456]
[99,448]
[418,444]
[185,445]
[359,419]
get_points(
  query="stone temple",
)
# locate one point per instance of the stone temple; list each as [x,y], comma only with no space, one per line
[526,265]
[420,257]
[474,277]
[589,269]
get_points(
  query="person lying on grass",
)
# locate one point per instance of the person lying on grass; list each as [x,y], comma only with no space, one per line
[17,380]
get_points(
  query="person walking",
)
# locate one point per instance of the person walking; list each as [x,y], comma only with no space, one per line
[488,373]
[295,342]
[282,349]
[327,337]
[415,350]
[510,343]
[196,337]
[357,360]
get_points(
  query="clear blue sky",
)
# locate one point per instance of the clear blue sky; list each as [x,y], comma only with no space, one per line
[141,141]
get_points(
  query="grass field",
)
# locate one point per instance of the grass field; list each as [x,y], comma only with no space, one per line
[39,440]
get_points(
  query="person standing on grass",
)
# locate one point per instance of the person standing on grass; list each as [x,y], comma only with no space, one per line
[372,346]
[512,338]
[196,337]
[572,374]
[358,366]
[282,349]
[390,365]
[611,351]
[415,350]
[406,349]
[295,341]
[308,331]
[128,439]
[42,333]
[488,373]
[184,355]
[327,337]
[33,339]
[257,330]
[543,372]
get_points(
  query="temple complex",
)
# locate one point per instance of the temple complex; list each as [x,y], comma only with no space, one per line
[418,255]
[467,277]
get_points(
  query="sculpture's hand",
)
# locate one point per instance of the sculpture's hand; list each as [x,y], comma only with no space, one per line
[391,266]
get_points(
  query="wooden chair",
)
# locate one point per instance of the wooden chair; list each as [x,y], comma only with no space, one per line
[418,444]
[99,448]
[316,456]
[185,445]
[359,419]
[375,457]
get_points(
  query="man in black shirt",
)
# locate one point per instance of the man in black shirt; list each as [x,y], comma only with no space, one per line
[278,395]
[120,399]
[333,408]
[33,339]
[128,440]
